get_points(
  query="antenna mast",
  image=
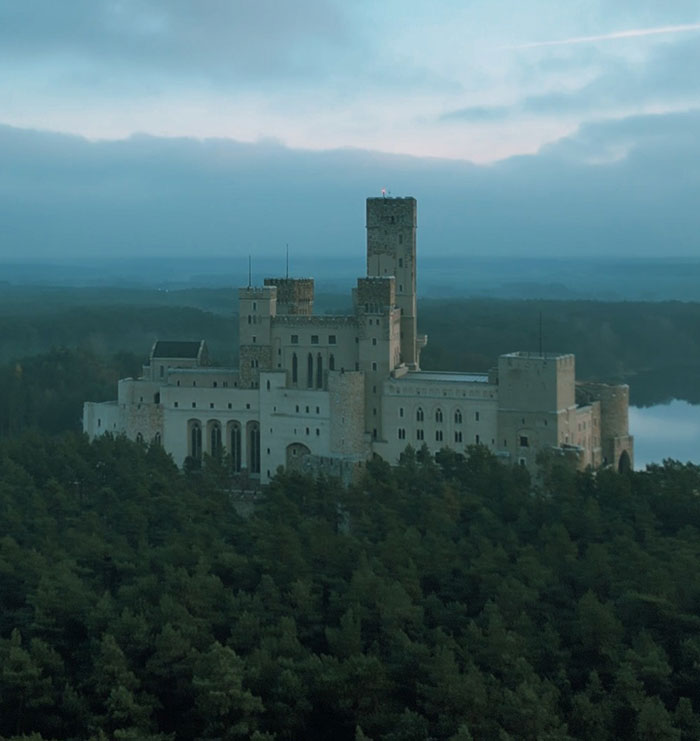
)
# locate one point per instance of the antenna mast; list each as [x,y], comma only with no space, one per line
[250,271]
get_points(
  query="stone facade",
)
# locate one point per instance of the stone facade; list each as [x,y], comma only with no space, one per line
[325,393]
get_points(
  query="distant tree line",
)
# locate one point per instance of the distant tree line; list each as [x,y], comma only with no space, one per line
[448,598]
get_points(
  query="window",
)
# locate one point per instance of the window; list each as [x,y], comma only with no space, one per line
[295,339]
[195,440]
[419,434]
[458,416]
[255,306]
[331,339]
[419,414]
[268,385]
[254,448]
[318,410]
[400,262]
[215,384]
[458,436]
[211,405]
[374,366]
[438,435]
[250,319]
[255,339]
[314,339]
[194,405]
[215,440]
[476,416]
[162,371]
[295,368]
[331,362]
[476,439]
[402,433]
[374,340]
[230,406]
[524,442]
[309,371]
[400,411]
[176,405]
[139,438]
[438,415]
[319,371]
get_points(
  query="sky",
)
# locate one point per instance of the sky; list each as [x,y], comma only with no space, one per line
[540,127]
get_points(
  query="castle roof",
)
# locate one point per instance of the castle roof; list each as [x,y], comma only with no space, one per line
[176,349]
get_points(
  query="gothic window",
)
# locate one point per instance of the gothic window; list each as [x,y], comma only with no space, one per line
[438,435]
[139,438]
[419,414]
[319,371]
[195,440]
[458,416]
[402,433]
[458,436]
[235,446]
[419,434]
[295,368]
[310,370]
[438,415]
[254,448]
[215,446]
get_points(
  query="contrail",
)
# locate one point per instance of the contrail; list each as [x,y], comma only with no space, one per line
[631,34]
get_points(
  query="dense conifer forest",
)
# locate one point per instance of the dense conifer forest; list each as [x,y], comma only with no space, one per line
[448,598]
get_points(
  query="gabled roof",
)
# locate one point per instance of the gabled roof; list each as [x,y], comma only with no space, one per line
[176,349]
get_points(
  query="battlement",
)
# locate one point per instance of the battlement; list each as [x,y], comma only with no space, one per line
[294,295]
[257,292]
[375,294]
[397,212]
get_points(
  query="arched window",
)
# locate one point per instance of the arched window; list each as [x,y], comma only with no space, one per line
[139,438]
[458,416]
[295,368]
[235,446]
[157,440]
[215,447]
[438,415]
[253,447]
[419,414]
[195,441]
[319,371]
[310,370]
[331,362]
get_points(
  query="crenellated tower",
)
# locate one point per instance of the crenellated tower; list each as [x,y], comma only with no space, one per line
[391,251]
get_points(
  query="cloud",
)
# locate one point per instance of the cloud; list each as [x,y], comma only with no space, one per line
[666,77]
[215,39]
[147,196]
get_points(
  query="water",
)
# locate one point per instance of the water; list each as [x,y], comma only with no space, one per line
[665,431]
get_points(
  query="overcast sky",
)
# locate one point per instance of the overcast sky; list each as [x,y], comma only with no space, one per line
[552,126]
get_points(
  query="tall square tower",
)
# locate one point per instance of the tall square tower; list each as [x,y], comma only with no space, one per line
[391,250]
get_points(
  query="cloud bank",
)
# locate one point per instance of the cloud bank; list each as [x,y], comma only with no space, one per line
[625,187]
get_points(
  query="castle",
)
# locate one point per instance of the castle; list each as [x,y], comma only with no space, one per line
[325,393]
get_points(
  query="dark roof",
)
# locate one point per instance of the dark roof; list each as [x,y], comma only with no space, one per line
[175,349]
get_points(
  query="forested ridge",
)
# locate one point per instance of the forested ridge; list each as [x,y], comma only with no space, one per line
[653,346]
[448,599]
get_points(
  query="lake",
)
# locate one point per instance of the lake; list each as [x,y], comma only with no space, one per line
[665,431]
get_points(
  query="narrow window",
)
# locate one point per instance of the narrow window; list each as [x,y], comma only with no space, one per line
[458,416]
[319,371]
[419,414]
[438,435]
[331,362]
[438,415]
[309,370]
[295,368]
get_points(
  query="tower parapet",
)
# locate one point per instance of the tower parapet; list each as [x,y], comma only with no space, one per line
[295,296]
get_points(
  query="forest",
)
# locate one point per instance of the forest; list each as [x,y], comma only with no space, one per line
[447,598]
